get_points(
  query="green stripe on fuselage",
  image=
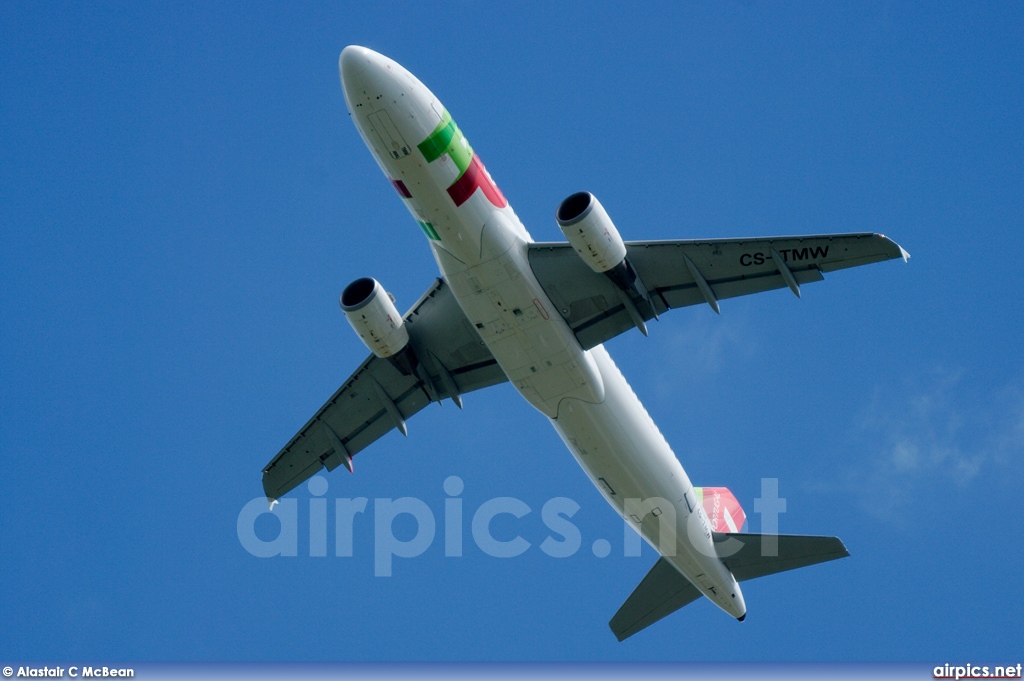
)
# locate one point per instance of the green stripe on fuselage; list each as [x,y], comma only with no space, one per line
[447,139]
[429,230]
[460,152]
[434,146]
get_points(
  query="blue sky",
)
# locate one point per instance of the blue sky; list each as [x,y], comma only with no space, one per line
[182,198]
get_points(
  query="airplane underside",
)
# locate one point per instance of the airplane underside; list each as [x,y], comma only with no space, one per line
[509,309]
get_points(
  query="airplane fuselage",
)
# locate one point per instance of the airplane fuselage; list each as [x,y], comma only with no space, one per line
[480,246]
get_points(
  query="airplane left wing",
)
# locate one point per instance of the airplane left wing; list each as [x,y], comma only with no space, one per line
[680,273]
[378,397]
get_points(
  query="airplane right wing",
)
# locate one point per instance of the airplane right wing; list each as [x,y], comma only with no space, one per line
[680,273]
[378,397]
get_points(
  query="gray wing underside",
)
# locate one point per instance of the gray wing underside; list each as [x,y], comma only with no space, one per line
[357,414]
[592,306]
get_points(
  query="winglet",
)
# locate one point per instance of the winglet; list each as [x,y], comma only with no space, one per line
[272,502]
[903,251]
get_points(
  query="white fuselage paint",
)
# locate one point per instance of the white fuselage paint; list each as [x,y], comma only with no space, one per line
[482,254]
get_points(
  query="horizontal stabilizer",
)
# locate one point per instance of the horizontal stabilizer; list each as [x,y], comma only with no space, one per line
[664,590]
[661,593]
[749,556]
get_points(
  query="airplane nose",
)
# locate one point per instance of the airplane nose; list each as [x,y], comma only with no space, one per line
[359,66]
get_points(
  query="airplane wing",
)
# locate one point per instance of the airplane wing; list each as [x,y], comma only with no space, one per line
[379,397]
[680,273]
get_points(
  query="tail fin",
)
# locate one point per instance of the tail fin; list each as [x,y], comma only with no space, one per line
[722,509]
[748,556]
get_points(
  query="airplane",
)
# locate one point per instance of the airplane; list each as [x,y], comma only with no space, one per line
[507,308]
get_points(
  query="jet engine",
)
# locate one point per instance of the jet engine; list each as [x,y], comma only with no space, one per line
[371,312]
[593,236]
[591,232]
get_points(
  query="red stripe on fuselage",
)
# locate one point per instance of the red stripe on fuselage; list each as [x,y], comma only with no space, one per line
[402,190]
[476,177]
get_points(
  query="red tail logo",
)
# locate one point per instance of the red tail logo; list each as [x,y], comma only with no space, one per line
[722,509]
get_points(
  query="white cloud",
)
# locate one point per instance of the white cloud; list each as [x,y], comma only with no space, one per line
[913,435]
[696,350]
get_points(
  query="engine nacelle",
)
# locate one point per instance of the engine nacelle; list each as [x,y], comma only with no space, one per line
[593,236]
[372,314]
[591,232]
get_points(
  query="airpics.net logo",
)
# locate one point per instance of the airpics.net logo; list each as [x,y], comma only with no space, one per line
[562,537]
[974,671]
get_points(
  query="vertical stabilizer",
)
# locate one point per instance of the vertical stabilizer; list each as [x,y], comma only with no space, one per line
[722,508]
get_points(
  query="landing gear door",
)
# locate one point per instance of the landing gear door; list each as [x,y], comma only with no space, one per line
[391,140]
